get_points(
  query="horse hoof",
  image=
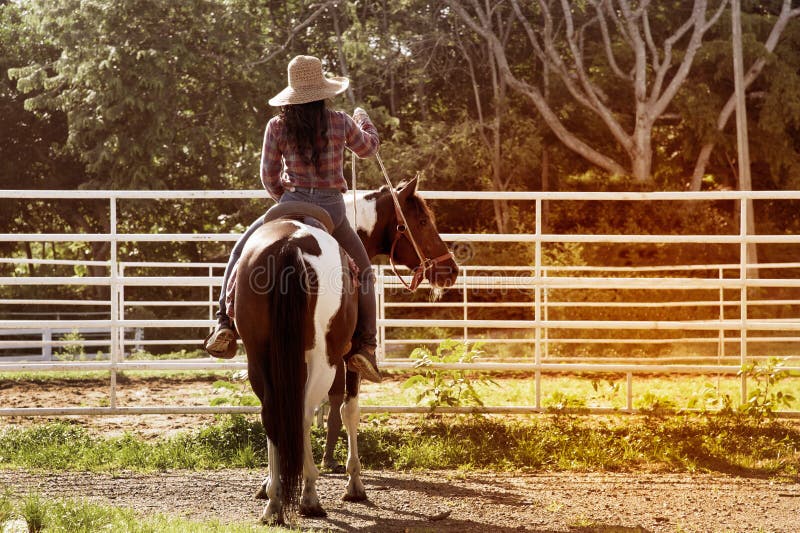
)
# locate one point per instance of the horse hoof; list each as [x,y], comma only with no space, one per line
[358,496]
[271,518]
[312,511]
[261,493]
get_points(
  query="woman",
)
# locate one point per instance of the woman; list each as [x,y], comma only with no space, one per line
[302,160]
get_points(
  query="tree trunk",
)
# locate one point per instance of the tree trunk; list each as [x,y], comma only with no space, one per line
[642,155]
[745,182]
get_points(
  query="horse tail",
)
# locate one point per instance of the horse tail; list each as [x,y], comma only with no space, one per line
[288,307]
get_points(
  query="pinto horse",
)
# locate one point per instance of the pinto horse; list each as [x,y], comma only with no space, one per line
[296,309]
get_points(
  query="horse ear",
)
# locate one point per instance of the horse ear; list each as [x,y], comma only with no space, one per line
[409,188]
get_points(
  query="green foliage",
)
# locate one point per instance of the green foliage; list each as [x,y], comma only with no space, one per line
[33,513]
[447,387]
[559,401]
[653,403]
[151,88]
[74,351]
[679,443]
[237,391]
[6,505]
[235,441]
[78,516]
[763,401]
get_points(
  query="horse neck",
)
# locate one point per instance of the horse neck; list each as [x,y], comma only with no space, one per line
[372,218]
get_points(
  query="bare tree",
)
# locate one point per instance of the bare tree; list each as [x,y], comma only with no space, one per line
[556,30]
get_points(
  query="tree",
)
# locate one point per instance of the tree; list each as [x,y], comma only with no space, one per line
[595,49]
[785,15]
[154,92]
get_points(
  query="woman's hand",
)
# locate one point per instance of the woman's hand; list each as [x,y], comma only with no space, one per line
[359,113]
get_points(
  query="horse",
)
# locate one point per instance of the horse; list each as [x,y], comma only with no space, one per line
[296,309]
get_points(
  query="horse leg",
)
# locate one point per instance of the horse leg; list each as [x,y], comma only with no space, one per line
[309,500]
[273,511]
[333,428]
[320,377]
[351,413]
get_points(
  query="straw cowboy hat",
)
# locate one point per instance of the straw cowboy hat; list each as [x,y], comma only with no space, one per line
[307,83]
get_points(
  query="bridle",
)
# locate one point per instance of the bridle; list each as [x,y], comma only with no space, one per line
[403,230]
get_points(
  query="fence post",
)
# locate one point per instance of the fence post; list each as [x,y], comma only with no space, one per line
[537,305]
[47,344]
[211,296]
[114,296]
[546,314]
[743,292]
[465,300]
[380,294]
[121,315]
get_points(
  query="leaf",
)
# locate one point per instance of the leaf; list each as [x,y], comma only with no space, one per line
[413,381]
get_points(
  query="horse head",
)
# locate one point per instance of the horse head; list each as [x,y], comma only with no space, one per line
[416,242]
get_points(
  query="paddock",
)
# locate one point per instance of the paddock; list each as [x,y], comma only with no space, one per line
[687,319]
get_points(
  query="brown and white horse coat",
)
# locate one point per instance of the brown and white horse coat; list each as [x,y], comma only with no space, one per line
[296,309]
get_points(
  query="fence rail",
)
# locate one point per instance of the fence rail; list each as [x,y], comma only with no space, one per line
[540,343]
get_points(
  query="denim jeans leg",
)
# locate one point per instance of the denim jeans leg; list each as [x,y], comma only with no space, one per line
[366,326]
[222,313]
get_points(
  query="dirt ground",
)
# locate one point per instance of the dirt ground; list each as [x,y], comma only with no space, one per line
[452,501]
[415,501]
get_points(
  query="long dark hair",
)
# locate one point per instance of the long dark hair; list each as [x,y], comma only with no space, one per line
[307,129]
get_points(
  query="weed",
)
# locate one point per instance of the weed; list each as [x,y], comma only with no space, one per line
[74,351]
[447,387]
[763,400]
[606,392]
[34,513]
[678,443]
[559,401]
[6,506]
[234,392]
[67,515]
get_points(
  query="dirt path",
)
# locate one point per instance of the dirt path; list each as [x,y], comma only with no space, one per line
[419,501]
[453,501]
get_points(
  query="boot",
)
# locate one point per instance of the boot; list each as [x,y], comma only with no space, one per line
[222,341]
[365,363]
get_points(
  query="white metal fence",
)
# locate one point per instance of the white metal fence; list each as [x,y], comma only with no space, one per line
[544,339]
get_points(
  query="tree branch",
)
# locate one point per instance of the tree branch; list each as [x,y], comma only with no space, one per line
[612,60]
[535,96]
[294,31]
[660,102]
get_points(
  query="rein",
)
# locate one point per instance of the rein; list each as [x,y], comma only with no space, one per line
[403,230]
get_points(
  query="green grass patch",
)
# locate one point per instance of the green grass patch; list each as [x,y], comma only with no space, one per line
[679,392]
[730,444]
[35,513]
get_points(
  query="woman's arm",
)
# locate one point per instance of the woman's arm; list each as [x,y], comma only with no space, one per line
[271,162]
[361,134]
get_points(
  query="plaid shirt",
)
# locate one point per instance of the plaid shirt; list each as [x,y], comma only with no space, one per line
[282,168]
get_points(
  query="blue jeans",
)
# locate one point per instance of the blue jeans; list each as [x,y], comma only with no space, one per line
[332,201]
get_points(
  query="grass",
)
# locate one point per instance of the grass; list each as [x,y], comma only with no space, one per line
[677,392]
[690,443]
[35,513]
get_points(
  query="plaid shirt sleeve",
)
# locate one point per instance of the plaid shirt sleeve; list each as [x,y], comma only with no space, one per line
[271,165]
[361,136]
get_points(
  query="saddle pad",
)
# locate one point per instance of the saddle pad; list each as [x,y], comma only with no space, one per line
[298,211]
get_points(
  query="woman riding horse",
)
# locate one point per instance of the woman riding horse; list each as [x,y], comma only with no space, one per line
[302,160]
